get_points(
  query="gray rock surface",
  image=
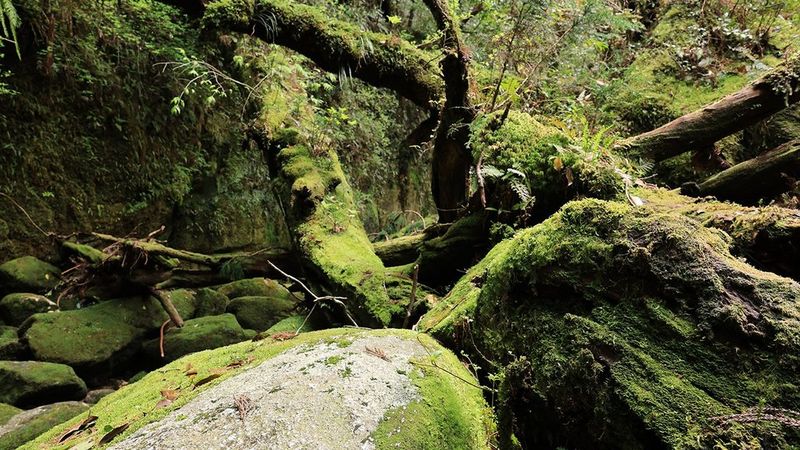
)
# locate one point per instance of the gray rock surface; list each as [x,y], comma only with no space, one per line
[324,397]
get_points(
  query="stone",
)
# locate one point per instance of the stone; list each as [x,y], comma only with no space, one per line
[103,337]
[253,287]
[27,425]
[260,313]
[196,335]
[34,383]
[95,395]
[7,412]
[336,389]
[210,302]
[28,274]
[16,308]
[10,345]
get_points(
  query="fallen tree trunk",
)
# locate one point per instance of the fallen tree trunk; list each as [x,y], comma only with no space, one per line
[735,112]
[762,177]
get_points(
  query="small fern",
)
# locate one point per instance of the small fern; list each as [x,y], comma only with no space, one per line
[9,22]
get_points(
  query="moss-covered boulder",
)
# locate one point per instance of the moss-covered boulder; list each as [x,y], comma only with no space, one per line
[27,274]
[7,412]
[613,326]
[27,425]
[100,338]
[260,313]
[16,308]
[342,388]
[210,302]
[10,346]
[252,287]
[32,383]
[197,334]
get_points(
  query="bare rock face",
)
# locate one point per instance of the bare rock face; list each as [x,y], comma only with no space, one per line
[333,389]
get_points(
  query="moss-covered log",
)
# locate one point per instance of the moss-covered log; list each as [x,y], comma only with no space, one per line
[616,326]
[329,236]
[763,177]
[378,59]
[735,112]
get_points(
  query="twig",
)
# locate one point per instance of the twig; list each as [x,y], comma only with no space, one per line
[169,308]
[161,336]
[317,298]
[26,214]
[445,370]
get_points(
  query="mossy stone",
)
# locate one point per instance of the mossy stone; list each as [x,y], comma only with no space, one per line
[28,274]
[7,412]
[103,336]
[292,324]
[26,426]
[10,346]
[260,313]
[16,308]
[447,411]
[210,302]
[196,335]
[32,383]
[253,287]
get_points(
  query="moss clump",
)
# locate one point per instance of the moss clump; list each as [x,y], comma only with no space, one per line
[101,337]
[196,335]
[32,423]
[228,14]
[632,327]
[260,313]
[27,274]
[31,383]
[555,167]
[7,412]
[292,324]
[450,414]
[330,235]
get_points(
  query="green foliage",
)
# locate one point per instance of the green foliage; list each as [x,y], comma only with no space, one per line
[9,22]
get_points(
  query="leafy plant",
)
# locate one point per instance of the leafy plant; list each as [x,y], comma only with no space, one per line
[9,22]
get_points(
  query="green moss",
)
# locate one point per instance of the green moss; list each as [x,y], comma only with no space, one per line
[260,313]
[292,324]
[627,327]
[54,415]
[10,347]
[31,383]
[7,412]
[196,335]
[228,14]
[15,308]
[210,302]
[252,287]
[103,334]
[450,414]
[330,234]
[28,274]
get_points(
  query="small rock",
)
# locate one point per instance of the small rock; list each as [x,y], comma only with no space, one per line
[16,308]
[10,345]
[260,313]
[253,287]
[196,335]
[33,383]
[28,425]
[28,274]
[210,303]
[7,412]
[94,396]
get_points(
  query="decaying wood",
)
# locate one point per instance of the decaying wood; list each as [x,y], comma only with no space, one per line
[735,112]
[762,177]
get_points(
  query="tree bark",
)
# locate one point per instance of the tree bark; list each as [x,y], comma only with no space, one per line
[451,157]
[762,177]
[735,112]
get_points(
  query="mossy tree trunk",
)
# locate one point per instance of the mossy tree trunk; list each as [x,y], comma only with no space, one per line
[735,112]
